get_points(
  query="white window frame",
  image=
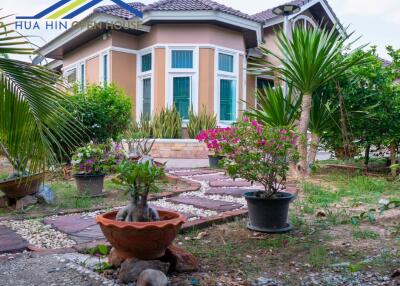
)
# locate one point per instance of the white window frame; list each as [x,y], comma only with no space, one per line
[193,73]
[220,75]
[108,54]
[140,77]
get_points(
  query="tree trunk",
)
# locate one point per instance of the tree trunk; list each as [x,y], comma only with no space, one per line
[393,157]
[366,155]
[303,127]
[313,148]
[343,127]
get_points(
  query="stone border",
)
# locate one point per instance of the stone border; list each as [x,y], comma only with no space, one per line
[193,186]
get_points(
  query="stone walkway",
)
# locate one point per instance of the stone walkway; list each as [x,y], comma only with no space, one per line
[219,199]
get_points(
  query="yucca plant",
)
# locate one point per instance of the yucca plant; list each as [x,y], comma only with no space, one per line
[167,124]
[309,59]
[275,109]
[34,125]
[199,122]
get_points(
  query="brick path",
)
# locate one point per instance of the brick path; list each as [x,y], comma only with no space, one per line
[219,199]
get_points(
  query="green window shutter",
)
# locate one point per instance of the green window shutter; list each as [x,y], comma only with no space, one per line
[225,62]
[147,97]
[227,100]
[182,59]
[181,93]
[146,62]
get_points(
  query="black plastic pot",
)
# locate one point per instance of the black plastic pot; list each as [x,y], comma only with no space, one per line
[268,215]
[214,161]
[90,185]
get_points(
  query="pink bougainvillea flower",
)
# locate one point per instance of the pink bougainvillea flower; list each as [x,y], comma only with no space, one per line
[246,119]
[283,131]
[254,123]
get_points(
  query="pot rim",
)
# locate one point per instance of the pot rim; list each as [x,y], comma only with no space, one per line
[178,220]
[24,179]
[250,195]
[89,175]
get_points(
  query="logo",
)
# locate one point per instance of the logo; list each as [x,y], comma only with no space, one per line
[68,9]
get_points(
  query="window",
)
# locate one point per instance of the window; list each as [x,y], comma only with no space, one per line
[227,100]
[182,59]
[146,85]
[83,77]
[225,62]
[105,69]
[146,62]
[182,95]
[70,76]
[264,82]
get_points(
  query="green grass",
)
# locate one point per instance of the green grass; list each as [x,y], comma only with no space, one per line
[3,176]
[318,257]
[359,234]
[318,195]
[67,197]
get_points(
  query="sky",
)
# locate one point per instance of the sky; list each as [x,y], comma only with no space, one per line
[376,21]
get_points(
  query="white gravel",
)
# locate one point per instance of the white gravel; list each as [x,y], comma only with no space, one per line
[40,235]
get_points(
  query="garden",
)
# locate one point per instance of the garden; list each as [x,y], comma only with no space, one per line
[83,201]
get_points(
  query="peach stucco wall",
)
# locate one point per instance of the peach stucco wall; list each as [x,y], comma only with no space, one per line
[206,79]
[123,74]
[125,40]
[93,70]
[192,34]
[87,50]
[159,79]
[250,84]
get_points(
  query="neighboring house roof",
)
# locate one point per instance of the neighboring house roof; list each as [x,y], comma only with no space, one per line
[172,5]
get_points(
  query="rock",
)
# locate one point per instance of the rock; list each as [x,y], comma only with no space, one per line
[132,267]
[45,195]
[25,201]
[180,260]
[114,259]
[150,277]
[262,281]
[396,274]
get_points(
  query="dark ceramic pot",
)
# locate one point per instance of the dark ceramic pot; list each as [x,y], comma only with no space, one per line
[90,185]
[21,186]
[214,161]
[268,215]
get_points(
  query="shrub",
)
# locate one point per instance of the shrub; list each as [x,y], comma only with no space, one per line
[167,124]
[199,122]
[214,137]
[104,111]
[259,153]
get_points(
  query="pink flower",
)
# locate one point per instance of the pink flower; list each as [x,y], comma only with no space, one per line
[254,123]
[246,119]
[283,131]
[259,129]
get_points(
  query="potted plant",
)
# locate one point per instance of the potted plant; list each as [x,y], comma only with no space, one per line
[90,164]
[213,138]
[261,154]
[138,230]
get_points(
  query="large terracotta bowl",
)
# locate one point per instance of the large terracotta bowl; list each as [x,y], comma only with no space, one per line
[142,240]
[20,187]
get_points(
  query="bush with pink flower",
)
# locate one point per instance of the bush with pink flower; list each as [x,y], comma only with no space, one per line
[215,137]
[259,153]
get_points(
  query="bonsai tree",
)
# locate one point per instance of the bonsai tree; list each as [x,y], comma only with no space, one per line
[139,178]
[34,126]
[259,153]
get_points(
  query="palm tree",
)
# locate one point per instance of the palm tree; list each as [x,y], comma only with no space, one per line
[309,59]
[34,126]
[274,108]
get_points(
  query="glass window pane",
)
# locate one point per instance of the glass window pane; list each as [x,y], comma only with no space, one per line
[264,82]
[82,77]
[71,76]
[181,93]
[227,100]
[225,62]
[182,59]
[146,62]
[105,69]
[147,97]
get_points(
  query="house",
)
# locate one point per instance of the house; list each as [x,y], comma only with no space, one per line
[182,52]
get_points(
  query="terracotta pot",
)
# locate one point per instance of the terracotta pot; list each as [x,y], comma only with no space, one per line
[142,240]
[20,187]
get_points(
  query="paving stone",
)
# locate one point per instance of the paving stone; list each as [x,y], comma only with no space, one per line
[89,234]
[10,241]
[230,183]
[70,223]
[187,215]
[234,192]
[205,203]
[194,172]
[210,177]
